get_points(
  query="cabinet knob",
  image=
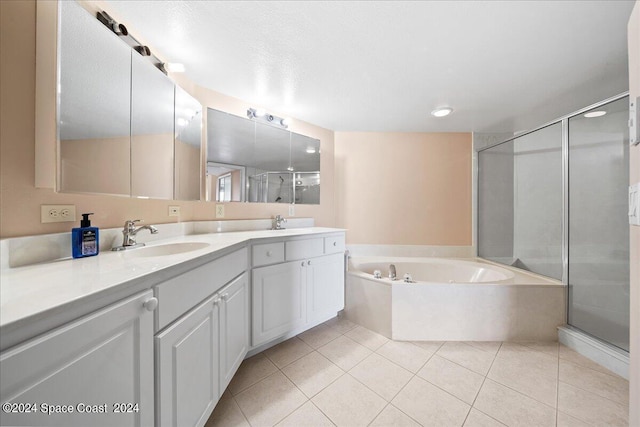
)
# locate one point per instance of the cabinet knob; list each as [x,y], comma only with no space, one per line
[269,253]
[216,302]
[309,262]
[150,304]
[335,243]
[302,263]
[225,297]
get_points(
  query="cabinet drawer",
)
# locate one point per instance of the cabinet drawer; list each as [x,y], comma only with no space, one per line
[268,253]
[176,296]
[334,244]
[299,249]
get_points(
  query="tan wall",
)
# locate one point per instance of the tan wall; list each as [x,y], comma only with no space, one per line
[187,171]
[236,185]
[404,188]
[634,91]
[19,199]
[152,166]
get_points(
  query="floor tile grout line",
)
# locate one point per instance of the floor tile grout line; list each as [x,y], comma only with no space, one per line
[595,394]
[609,374]
[240,409]
[482,385]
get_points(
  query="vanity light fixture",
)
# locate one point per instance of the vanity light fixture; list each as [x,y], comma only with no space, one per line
[261,115]
[290,169]
[592,114]
[182,122]
[175,67]
[441,112]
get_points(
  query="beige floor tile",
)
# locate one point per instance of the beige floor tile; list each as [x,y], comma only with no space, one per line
[612,387]
[527,371]
[430,346]
[591,408]
[479,419]
[565,420]
[312,373]
[573,356]
[349,403]
[251,371]
[490,346]
[548,347]
[513,408]
[340,324]
[453,378]
[270,400]
[405,354]
[367,338]
[344,352]
[319,335]
[382,376]
[227,414]
[468,356]
[393,417]
[429,405]
[288,351]
[308,415]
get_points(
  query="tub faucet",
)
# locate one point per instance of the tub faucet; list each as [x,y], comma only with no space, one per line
[392,272]
[129,234]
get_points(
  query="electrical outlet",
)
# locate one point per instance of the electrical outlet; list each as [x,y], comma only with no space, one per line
[57,213]
[292,210]
[219,211]
[174,210]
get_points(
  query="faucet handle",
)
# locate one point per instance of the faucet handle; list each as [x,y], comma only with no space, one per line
[130,223]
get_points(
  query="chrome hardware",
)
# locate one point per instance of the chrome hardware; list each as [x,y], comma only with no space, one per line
[392,272]
[279,220]
[129,234]
[150,304]
[377,274]
[408,278]
[309,262]
[302,263]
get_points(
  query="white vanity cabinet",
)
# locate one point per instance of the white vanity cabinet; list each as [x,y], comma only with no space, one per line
[201,349]
[97,369]
[301,292]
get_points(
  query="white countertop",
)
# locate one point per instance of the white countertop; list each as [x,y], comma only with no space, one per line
[35,291]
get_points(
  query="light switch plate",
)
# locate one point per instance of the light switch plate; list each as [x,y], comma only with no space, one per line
[634,121]
[57,213]
[292,210]
[174,210]
[219,211]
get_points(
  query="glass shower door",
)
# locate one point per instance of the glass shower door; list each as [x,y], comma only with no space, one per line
[598,223]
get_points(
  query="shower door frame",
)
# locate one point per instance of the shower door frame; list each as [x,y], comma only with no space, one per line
[564,120]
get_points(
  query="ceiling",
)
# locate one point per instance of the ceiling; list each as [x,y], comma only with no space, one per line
[504,66]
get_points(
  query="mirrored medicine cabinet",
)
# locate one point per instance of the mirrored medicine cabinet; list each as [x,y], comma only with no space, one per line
[250,161]
[124,127]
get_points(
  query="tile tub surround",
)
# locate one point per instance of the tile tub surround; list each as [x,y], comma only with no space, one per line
[417,383]
[528,307]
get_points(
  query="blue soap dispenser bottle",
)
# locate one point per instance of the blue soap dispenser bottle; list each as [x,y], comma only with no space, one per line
[84,239]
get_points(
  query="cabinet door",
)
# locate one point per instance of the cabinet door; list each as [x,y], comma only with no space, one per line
[187,366]
[234,328]
[325,286]
[278,298]
[102,359]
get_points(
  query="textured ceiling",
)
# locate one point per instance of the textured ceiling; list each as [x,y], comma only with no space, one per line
[383,66]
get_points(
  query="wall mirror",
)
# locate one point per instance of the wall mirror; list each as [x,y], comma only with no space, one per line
[124,127]
[249,161]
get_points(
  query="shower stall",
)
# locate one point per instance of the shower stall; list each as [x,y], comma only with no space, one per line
[554,201]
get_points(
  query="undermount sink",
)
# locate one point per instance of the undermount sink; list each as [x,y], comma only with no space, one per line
[167,249]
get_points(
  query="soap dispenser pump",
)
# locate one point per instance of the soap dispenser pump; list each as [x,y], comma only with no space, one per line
[85,239]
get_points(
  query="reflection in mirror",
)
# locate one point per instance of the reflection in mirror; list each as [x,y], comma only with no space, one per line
[151,131]
[94,105]
[257,162]
[188,138]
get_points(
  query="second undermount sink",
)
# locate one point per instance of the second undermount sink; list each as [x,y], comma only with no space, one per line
[167,249]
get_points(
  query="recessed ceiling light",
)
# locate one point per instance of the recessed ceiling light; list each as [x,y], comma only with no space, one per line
[441,112]
[591,114]
[175,67]
[311,150]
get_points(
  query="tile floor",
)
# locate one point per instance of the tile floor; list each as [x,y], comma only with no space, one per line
[342,374]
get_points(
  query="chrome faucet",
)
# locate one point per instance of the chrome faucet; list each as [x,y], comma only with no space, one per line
[129,234]
[278,221]
[392,272]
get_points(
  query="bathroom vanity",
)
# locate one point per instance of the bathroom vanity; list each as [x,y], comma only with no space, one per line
[139,339]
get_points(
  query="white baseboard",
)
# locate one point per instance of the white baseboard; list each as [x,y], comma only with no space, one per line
[612,358]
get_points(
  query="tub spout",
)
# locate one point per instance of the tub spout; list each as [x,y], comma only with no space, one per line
[392,272]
